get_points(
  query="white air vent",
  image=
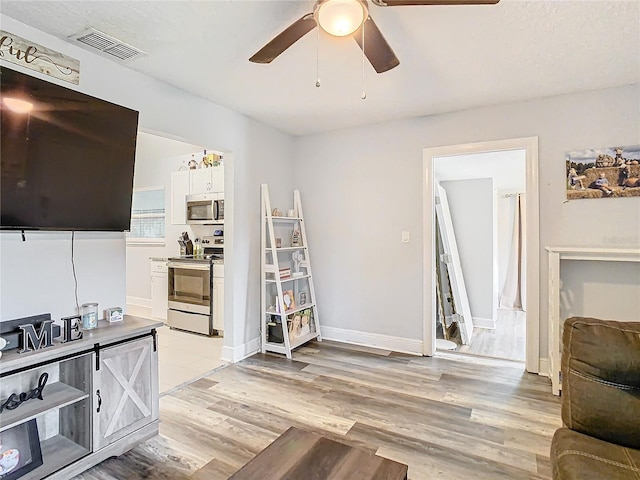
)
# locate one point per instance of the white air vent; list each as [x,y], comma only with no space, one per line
[107,44]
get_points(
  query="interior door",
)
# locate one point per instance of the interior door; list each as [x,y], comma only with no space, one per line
[125,390]
[452,260]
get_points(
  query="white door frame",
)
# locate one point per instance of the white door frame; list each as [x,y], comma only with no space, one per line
[532,218]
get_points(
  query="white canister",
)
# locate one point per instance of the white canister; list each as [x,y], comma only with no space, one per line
[89,313]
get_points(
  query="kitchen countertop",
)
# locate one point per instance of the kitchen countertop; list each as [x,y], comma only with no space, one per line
[158,259]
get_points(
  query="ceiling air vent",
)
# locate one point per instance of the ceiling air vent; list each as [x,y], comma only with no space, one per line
[107,44]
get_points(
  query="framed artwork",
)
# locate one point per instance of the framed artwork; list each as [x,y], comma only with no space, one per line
[603,172]
[20,450]
[288,300]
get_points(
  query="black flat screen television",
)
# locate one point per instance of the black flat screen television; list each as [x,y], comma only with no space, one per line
[67,158]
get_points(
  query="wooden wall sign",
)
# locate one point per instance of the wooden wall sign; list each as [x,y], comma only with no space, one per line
[17,50]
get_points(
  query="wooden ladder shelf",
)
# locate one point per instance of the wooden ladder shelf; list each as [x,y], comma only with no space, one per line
[286,278]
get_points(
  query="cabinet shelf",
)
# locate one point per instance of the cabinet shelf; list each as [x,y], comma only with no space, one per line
[286,249]
[290,279]
[57,452]
[293,310]
[295,342]
[56,395]
[283,219]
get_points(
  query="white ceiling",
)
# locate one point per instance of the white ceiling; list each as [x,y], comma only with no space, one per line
[451,57]
[506,168]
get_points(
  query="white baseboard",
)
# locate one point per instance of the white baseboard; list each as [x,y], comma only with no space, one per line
[139,306]
[543,369]
[235,354]
[484,322]
[376,340]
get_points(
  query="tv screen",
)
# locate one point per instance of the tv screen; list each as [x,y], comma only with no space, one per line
[67,158]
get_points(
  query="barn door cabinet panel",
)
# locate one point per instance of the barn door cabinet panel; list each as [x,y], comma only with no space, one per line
[125,390]
[120,361]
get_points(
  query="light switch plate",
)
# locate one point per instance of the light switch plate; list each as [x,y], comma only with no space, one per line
[405,237]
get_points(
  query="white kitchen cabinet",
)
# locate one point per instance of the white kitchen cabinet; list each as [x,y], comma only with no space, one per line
[206,180]
[217,179]
[200,181]
[218,304]
[179,190]
[126,390]
[159,289]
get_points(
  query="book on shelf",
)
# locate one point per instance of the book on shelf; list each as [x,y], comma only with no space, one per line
[285,272]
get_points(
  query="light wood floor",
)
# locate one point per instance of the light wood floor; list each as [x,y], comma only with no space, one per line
[507,340]
[451,417]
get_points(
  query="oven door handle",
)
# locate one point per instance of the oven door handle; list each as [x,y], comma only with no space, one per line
[189,266]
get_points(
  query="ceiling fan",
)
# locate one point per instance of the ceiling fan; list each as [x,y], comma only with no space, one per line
[348,17]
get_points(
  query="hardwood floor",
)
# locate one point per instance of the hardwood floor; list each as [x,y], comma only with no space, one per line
[450,417]
[507,340]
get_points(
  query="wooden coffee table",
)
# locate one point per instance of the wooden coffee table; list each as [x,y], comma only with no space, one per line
[301,455]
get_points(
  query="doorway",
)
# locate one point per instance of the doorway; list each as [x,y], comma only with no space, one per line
[467,169]
[162,169]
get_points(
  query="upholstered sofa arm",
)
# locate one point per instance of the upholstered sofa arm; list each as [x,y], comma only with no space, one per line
[601,379]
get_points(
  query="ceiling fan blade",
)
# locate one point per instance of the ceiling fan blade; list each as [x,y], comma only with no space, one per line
[285,39]
[376,48]
[398,3]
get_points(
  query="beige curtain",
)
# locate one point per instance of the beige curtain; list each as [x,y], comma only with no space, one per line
[513,294]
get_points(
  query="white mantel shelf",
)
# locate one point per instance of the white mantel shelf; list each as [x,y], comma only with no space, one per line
[594,253]
[557,254]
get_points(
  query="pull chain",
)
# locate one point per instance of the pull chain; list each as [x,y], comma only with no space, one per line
[318,56]
[364,93]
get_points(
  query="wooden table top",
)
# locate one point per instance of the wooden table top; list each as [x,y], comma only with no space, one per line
[301,455]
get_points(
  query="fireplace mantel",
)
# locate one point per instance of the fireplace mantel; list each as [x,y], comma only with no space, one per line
[557,254]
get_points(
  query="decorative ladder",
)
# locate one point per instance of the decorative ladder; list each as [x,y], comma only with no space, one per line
[270,275]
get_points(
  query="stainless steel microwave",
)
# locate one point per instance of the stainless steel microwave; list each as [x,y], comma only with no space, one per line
[205,209]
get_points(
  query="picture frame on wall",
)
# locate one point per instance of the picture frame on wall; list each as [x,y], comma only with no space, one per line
[603,172]
[20,450]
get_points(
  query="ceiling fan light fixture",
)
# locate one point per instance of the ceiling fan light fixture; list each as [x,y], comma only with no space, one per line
[340,17]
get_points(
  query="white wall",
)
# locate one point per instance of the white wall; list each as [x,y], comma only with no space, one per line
[471,207]
[36,275]
[363,186]
[259,154]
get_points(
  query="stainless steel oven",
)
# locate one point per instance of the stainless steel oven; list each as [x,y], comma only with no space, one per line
[189,295]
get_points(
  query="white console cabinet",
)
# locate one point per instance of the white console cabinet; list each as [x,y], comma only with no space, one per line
[100,399]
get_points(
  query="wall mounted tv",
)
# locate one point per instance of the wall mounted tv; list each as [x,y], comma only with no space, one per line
[67,158]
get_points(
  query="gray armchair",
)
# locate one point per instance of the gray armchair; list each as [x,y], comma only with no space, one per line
[600,402]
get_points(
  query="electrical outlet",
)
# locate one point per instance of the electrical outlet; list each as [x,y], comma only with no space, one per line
[405,237]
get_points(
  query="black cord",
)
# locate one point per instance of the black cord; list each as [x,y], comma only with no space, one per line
[73,267]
